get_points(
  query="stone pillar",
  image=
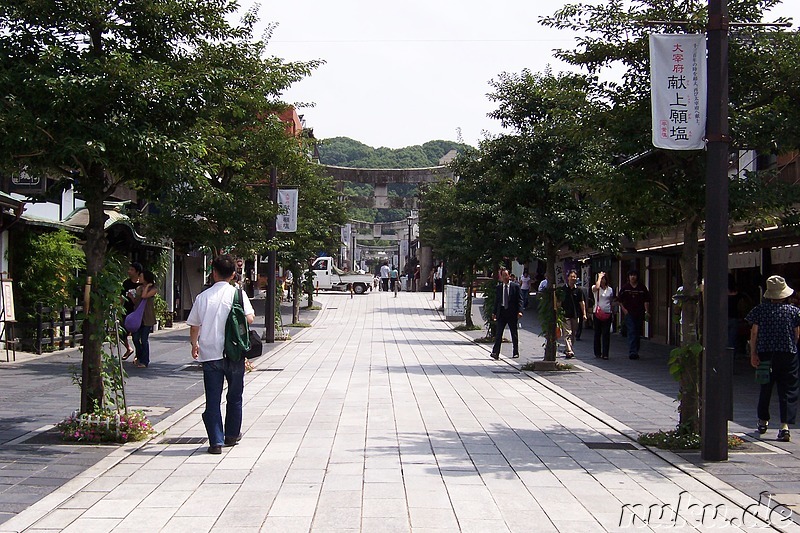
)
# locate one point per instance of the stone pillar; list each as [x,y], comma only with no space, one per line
[381,196]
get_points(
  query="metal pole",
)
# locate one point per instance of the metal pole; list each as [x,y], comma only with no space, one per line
[715,408]
[272,260]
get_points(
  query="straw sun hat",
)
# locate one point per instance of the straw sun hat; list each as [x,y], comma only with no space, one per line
[777,289]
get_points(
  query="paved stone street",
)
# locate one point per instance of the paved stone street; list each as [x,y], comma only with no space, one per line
[381,418]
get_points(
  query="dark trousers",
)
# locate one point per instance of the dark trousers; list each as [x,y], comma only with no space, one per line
[141,341]
[385,284]
[785,375]
[215,373]
[602,337]
[512,320]
[634,332]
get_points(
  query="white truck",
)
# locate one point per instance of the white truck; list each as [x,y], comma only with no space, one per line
[328,277]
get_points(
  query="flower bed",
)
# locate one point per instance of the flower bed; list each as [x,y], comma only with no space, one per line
[106,426]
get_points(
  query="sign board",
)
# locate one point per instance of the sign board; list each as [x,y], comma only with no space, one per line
[8,301]
[24,183]
[678,90]
[286,221]
[455,299]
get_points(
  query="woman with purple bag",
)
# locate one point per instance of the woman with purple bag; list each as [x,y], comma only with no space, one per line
[141,337]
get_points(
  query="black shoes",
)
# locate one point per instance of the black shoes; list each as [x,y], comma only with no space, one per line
[569,356]
[515,356]
[633,356]
[762,426]
[783,435]
[495,356]
[233,441]
[215,450]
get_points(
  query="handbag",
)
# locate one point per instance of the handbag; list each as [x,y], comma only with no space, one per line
[256,346]
[134,320]
[601,315]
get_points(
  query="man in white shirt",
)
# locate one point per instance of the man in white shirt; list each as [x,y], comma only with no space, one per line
[207,334]
[385,276]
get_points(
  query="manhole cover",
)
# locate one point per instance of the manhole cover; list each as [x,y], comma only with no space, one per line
[610,446]
[183,440]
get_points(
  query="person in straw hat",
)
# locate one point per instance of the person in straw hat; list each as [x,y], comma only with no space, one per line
[773,337]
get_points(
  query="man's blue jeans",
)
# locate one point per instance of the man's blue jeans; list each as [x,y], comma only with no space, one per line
[141,341]
[215,373]
[634,327]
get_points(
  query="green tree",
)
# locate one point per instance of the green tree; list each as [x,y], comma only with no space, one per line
[125,94]
[51,262]
[669,187]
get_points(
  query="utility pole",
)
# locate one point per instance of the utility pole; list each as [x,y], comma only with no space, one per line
[717,362]
[272,263]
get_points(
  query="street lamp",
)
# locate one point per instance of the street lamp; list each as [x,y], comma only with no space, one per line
[410,221]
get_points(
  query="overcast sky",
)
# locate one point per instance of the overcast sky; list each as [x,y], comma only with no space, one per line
[405,72]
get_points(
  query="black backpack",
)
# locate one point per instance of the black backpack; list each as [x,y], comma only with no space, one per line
[237,337]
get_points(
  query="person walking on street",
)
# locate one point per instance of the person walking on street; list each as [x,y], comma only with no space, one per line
[207,321]
[128,295]
[385,277]
[525,287]
[141,337]
[507,311]
[394,280]
[603,297]
[634,302]
[574,307]
[773,343]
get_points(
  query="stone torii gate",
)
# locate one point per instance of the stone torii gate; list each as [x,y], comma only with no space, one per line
[380,178]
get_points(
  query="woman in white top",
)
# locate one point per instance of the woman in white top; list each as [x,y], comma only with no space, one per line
[525,287]
[603,296]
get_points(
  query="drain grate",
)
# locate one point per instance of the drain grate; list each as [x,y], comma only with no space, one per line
[303,342]
[610,446]
[183,440]
[329,308]
[268,370]
[505,371]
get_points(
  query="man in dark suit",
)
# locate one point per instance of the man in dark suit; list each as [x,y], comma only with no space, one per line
[507,310]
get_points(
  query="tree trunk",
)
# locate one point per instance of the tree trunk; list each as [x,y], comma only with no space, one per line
[95,249]
[689,381]
[551,346]
[468,309]
[297,291]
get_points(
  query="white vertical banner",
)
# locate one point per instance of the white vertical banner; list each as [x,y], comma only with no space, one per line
[286,221]
[678,90]
[346,229]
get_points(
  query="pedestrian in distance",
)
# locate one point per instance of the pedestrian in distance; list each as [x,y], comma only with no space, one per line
[525,287]
[385,276]
[634,303]
[394,280]
[773,352]
[507,311]
[574,306]
[128,295]
[602,315]
[207,321]
[141,337]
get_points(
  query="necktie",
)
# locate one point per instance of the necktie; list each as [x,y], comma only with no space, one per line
[505,295]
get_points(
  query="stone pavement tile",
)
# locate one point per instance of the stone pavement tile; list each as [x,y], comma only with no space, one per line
[105,483]
[92,525]
[433,518]
[471,525]
[162,497]
[384,507]
[353,469]
[190,524]
[111,508]
[345,482]
[227,476]
[340,498]
[428,499]
[207,501]
[526,521]
[389,525]
[384,491]
[131,491]
[333,518]
[146,519]
[83,500]
[477,509]
[58,519]
[245,510]
[383,475]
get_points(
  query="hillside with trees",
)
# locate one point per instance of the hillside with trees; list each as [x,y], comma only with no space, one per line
[347,152]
